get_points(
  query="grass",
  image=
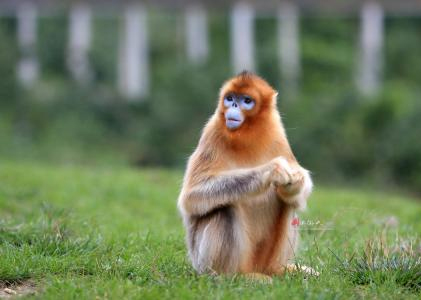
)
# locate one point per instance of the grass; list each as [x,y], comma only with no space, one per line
[381,263]
[87,232]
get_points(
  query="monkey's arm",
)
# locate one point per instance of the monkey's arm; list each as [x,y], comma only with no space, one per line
[224,189]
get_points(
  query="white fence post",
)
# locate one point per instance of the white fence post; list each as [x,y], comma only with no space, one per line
[197,43]
[371,41]
[79,43]
[28,68]
[242,37]
[289,45]
[133,65]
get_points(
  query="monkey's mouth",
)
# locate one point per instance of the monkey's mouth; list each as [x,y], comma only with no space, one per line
[233,120]
[233,123]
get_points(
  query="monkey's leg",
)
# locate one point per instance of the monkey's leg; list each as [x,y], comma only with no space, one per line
[218,249]
[278,247]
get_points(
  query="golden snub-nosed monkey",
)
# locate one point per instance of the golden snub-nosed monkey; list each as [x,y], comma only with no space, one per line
[242,185]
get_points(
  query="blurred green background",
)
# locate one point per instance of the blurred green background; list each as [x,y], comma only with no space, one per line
[335,131]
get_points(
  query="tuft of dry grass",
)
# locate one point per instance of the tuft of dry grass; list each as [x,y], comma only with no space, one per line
[382,261]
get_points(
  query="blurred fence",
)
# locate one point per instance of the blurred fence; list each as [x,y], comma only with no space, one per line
[133,51]
[134,81]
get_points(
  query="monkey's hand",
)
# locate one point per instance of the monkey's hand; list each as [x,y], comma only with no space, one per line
[282,174]
[292,183]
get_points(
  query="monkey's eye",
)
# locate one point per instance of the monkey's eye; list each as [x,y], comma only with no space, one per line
[247,103]
[228,100]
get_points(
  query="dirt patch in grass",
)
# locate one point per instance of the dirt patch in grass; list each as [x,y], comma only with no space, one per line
[17,288]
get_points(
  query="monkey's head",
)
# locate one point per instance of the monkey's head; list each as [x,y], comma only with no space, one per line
[245,100]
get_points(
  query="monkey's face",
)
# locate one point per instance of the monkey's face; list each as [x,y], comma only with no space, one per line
[245,99]
[236,106]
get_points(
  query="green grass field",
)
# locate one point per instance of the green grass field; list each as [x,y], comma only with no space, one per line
[110,233]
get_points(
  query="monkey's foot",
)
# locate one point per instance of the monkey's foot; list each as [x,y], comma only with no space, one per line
[304,269]
[258,278]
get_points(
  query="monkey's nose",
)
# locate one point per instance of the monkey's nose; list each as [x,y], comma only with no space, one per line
[235,104]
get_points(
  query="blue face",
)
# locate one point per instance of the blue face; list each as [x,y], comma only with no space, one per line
[235,105]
